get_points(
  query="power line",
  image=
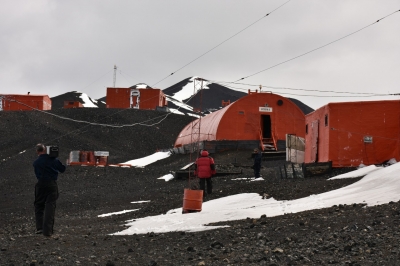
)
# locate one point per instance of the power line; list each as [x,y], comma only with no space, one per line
[143,123]
[222,83]
[291,59]
[314,95]
[163,117]
[98,79]
[221,43]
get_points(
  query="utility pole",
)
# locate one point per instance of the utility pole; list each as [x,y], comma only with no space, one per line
[115,75]
[196,124]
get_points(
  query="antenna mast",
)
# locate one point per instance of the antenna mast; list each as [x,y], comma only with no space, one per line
[196,125]
[115,74]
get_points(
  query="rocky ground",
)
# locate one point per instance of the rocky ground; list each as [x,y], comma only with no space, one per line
[341,235]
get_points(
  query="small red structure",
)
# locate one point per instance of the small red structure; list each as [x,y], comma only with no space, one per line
[16,102]
[353,133]
[72,104]
[148,99]
[89,158]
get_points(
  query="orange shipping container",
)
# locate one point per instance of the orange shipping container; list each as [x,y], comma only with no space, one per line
[14,102]
[353,133]
[135,98]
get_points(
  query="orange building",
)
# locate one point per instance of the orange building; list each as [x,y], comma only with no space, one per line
[14,102]
[72,104]
[135,98]
[353,133]
[257,120]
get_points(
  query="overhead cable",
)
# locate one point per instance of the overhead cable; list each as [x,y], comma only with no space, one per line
[221,43]
[315,49]
[97,79]
[222,83]
[314,95]
[163,117]
[143,123]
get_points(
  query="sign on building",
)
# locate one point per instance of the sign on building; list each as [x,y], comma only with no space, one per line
[265,109]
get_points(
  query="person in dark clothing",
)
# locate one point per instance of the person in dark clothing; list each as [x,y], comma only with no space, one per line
[257,162]
[204,170]
[46,190]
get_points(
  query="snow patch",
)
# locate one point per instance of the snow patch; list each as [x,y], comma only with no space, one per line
[87,101]
[117,213]
[188,90]
[378,187]
[167,177]
[357,173]
[142,162]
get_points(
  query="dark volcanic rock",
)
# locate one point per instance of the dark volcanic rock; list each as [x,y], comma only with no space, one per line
[342,235]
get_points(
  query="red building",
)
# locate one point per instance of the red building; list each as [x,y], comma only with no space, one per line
[257,120]
[14,102]
[72,104]
[135,98]
[353,133]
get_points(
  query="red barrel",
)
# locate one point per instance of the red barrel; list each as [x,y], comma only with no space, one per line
[192,200]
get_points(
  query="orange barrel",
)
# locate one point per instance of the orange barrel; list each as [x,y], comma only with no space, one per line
[192,200]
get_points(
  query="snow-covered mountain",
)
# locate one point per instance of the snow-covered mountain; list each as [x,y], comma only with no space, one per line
[211,96]
[57,102]
[209,100]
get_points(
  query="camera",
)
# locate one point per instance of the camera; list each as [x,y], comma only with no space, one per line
[52,150]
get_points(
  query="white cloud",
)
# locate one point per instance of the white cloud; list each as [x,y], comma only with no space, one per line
[53,47]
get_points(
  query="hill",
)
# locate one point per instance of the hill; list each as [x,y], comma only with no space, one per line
[352,234]
[179,96]
[67,128]
[57,102]
[212,95]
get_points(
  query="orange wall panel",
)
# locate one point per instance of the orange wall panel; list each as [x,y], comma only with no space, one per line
[118,98]
[317,133]
[149,98]
[246,115]
[342,141]
[242,120]
[13,102]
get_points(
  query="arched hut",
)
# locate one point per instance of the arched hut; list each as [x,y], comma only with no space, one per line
[257,120]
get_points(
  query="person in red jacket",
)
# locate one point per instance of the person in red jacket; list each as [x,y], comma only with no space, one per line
[204,170]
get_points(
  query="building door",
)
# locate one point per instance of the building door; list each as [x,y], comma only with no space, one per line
[135,99]
[266,126]
[314,140]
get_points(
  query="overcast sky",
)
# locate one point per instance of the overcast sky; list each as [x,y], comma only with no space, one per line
[53,47]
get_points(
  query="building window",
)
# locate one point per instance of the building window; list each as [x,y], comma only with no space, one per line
[326,120]
[306,128]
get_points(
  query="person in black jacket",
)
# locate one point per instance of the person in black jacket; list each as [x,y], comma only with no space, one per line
[257,162]
[46,189]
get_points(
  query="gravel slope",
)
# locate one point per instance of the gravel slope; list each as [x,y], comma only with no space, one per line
[341,235]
